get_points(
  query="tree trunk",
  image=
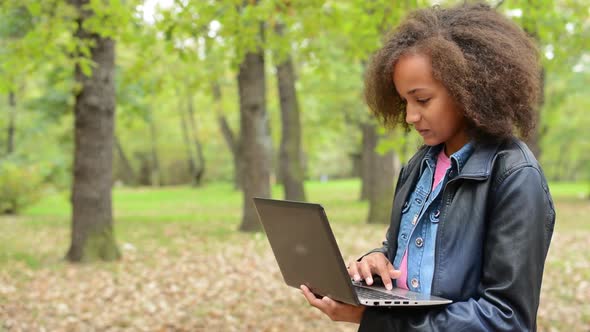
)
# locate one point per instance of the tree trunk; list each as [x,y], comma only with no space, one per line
[129,174]
[155,175]
[94,114]
[291,172]
[254,136]
[233,146]
[145,169]
[226,131]
[11,122]
[378,175]
[192,168]
[369,143]
[200,169]
[533,143]
[228,134]
[536,135]
[384,170]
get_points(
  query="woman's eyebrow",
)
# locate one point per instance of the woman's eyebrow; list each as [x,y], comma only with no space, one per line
[414,90]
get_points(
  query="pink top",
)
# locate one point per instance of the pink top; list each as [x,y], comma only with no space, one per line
[442,164]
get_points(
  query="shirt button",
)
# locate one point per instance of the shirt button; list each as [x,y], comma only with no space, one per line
[419,242]
[415,283]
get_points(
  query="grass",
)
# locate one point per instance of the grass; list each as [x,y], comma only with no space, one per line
[181,230]
[147,215]
[576,190]
[216,208]
[213,210]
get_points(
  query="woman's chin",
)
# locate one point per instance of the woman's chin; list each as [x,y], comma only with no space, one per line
[431,141]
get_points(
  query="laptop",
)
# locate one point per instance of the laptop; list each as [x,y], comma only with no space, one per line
[307,254]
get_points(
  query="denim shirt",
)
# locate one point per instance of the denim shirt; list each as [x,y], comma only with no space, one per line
[420,215]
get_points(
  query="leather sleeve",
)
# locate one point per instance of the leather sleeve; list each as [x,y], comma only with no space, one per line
[519,228]
[383,249]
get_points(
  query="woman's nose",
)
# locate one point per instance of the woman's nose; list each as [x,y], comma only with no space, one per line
[412,116]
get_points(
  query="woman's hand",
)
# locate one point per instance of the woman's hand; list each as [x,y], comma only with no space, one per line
[375,263]
[337,311]
[372,264]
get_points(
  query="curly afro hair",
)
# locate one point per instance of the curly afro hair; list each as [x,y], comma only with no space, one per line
[489,65]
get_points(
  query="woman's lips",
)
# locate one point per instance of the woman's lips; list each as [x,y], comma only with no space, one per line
[423,132]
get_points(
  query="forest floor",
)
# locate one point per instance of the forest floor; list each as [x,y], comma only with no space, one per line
[185,268]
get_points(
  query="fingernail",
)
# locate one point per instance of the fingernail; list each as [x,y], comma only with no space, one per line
[388,286]
[357,277]
[369,280]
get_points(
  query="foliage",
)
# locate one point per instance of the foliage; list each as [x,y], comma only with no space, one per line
[20,186]
[565,142]
[184,48]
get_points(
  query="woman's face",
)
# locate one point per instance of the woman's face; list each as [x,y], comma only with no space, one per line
[430,109]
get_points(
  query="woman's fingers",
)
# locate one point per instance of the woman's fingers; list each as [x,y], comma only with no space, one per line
[375,264]
[383,271]
[393,273]
[336,311]
[353,271]
[325,304]
[311,298]
[365,271]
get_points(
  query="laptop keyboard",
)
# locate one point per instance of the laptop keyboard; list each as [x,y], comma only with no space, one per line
[368,293]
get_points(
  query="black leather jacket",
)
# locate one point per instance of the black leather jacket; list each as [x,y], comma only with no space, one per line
[496,224]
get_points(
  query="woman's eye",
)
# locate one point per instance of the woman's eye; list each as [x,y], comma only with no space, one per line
[423,101]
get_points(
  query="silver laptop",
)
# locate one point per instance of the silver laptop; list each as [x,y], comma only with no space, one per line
[306,251]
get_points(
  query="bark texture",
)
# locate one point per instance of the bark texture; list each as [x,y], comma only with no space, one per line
[369,143]
[384,172]
[254,145]
[378,172]
[291,171]
[94,110]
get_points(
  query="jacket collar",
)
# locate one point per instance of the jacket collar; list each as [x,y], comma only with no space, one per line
[479,165]
[458,159]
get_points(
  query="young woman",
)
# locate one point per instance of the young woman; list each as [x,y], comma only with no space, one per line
[472,216]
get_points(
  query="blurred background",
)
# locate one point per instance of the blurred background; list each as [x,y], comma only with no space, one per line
[133,134]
